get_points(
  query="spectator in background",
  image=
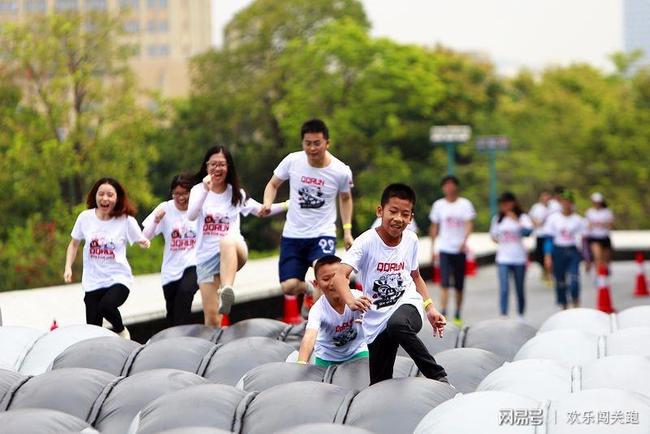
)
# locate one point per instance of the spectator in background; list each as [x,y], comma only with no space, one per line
[599,222]
[562,251]
[507,229]
[452,221]
[539,213]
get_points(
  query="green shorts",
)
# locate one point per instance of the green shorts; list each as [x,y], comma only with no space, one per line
[321,362]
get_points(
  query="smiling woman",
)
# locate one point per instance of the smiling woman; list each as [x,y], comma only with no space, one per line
[106,226]
[216,203]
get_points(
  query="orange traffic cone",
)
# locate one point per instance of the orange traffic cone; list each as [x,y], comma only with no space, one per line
[641,289]
[435,275]
[604,298]
[470,264]
[54,325]
[225,320]
[291,311]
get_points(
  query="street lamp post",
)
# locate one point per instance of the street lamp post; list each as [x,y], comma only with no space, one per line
[450,136]
[491,145]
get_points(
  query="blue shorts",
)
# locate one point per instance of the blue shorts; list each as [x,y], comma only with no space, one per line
[298,254]
[206,271]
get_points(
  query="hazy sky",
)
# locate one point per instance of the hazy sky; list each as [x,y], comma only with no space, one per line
[513,33]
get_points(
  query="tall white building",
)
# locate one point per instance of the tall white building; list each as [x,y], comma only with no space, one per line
[636,27]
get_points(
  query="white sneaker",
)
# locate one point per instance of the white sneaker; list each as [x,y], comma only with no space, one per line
[125,334]
[521,319]
[226,300]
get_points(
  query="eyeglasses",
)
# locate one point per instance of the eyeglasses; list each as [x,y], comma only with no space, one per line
[215,164]
[315,143]
[177,194]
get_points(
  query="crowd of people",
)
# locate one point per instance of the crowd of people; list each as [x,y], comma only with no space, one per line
[204,249]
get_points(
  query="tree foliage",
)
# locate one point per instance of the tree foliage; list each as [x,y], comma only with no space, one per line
[69,116]
[281,63]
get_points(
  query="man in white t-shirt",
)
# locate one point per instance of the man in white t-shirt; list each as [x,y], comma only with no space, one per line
[334,332]
[567,229]
[539,212]
[316,180]
[452,222]
[386,261]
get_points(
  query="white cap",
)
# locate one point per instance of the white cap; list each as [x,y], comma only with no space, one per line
[597,197]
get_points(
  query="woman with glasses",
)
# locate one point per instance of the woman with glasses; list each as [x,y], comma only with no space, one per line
[178,271]
[216,203]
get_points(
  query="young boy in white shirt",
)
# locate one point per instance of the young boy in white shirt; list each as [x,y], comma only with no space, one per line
[386,261]
[334,331]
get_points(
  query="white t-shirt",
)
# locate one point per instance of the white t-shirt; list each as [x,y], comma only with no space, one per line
[554,206]
[339,336]
[413,226]
[313,194]
[510,245]
[599,222]
[539,212]
[385,273]
[104,253]
[566,230]
[180,236]
[217,218]
[451,218]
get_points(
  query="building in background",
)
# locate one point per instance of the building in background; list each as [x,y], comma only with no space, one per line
[636,27]
[166,34]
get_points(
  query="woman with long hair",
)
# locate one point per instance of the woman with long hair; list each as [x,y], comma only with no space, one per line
[178,270]
[217,202]
[508,228]
[106,226]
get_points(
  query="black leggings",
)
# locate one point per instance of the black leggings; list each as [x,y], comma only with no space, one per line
[402,329]
[103,303]
[179,296]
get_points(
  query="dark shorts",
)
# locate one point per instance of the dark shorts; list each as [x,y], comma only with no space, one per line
[298,254]
[605,243]
[539,250]
[452,264]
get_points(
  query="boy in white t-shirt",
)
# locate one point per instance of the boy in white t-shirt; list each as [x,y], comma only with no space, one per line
[317,181]
[386,261]
[334,332]
[452,222]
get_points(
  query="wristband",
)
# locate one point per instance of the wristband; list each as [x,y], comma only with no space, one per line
[285,205]
[347,226]
[302,362]
[427,303]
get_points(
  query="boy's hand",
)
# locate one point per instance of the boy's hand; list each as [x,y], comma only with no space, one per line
[362,303]
[437,321]
[348,239]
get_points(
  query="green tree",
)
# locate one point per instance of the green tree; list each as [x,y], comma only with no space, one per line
[68,115]
[75,76]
